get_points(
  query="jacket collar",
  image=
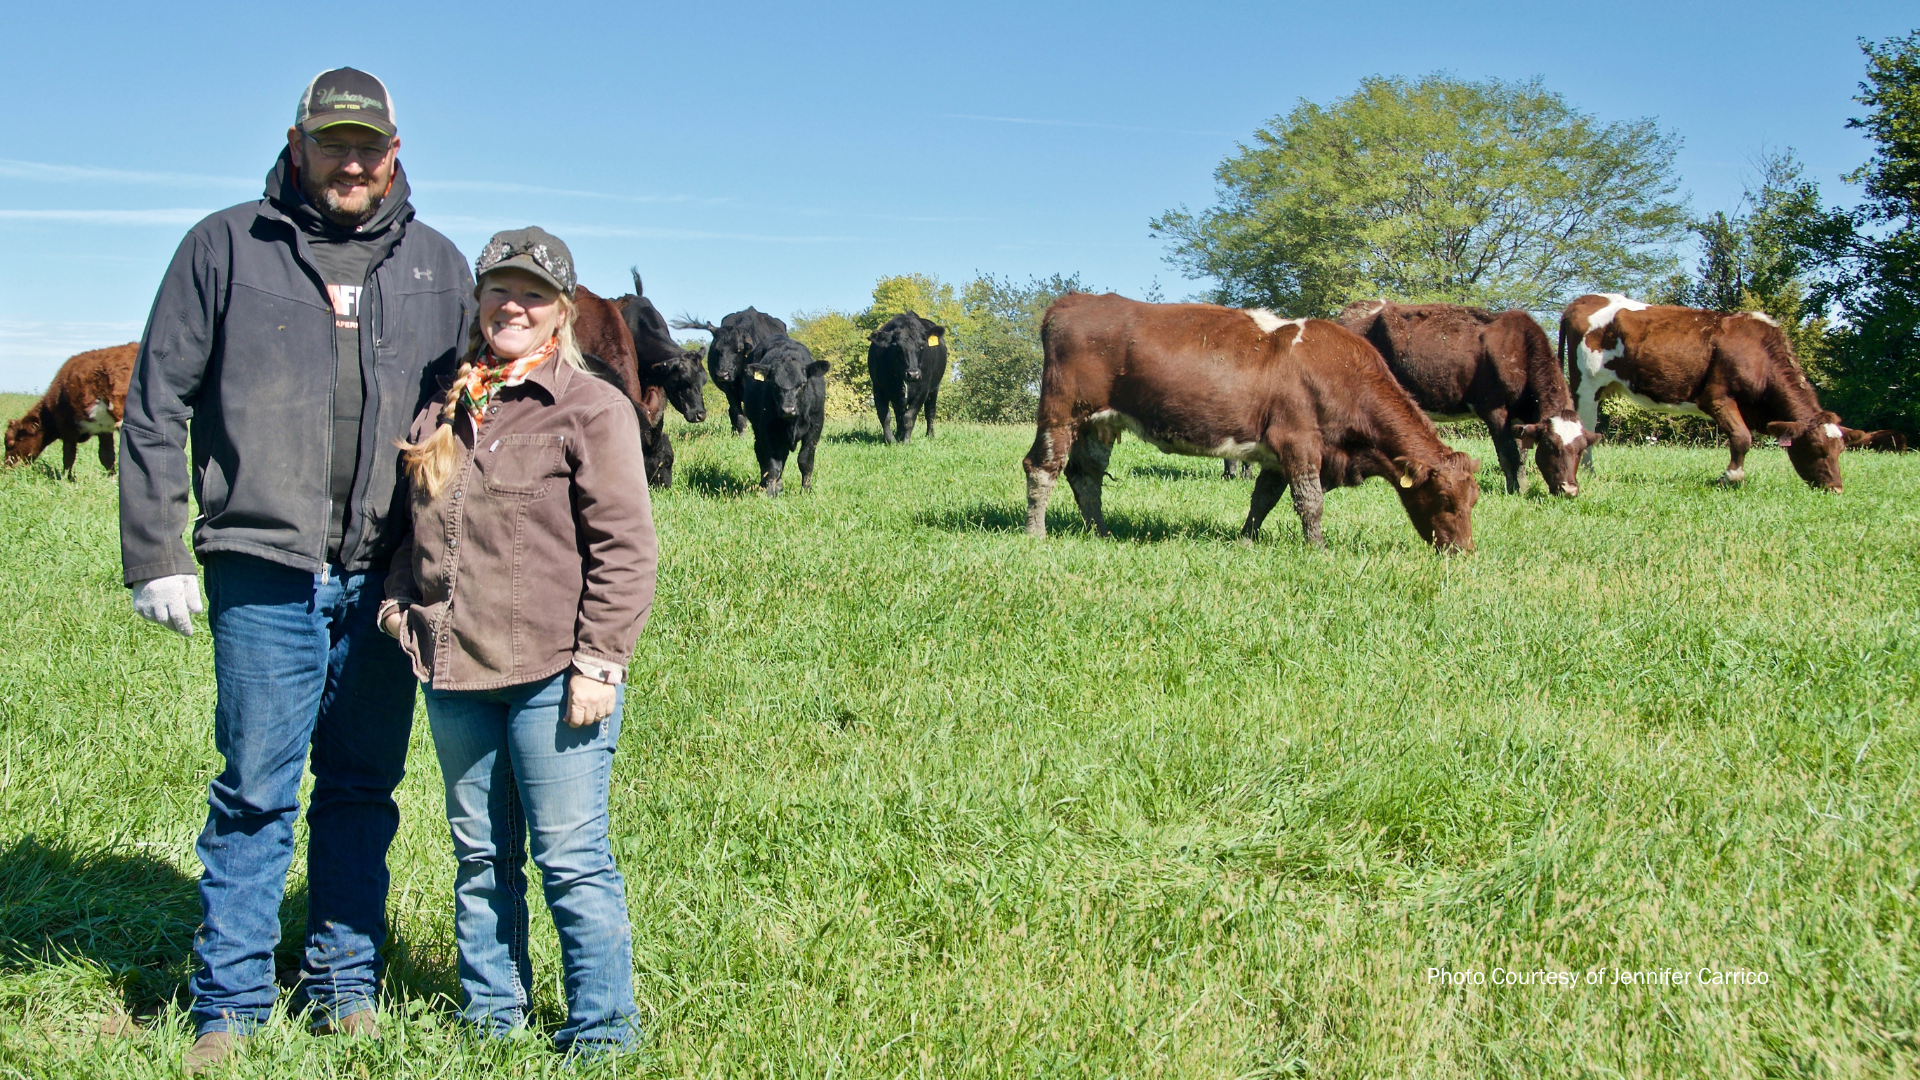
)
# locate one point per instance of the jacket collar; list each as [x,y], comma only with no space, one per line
[551,377]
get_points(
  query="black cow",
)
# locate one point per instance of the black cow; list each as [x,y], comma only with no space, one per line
[734,342]
[906,359]
[786,401]
[668,374]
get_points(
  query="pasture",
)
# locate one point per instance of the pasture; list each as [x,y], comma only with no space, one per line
[902,792]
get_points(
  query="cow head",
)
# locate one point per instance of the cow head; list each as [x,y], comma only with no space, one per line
[785,376]
[729,351]
[1814,448]
[685,382]
[909,340]
[26,437]
[1560,441]
[1439,497]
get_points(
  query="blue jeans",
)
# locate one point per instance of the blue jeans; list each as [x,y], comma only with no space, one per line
[301,672]
[514,769]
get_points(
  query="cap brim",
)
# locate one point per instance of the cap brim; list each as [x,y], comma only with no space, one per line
[331,120]
[525,264]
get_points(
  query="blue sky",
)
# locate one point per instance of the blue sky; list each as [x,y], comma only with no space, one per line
[787,155]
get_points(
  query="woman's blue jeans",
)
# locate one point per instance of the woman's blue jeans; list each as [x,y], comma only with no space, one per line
[516,771]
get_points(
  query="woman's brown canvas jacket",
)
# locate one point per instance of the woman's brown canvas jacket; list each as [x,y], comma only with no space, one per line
[539,552]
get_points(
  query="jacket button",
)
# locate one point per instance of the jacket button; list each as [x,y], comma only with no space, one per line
[457,494]
[492,409]
[454,543]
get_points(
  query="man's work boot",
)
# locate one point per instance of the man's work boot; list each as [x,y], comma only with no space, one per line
[212,1049]
[360,1023]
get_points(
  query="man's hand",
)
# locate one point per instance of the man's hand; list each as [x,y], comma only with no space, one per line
[589,701]
[170,601]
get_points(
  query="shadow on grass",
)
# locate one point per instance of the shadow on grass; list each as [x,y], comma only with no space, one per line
[857,435]
[714,482]
[1173,472]
[132,914]
[1125,527]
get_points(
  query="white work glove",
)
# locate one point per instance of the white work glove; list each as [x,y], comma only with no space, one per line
[170,601]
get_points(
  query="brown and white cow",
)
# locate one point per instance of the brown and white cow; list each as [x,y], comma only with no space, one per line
[1885,440]
[1735,367]
[88,399]
[1308,400]
[1458,361]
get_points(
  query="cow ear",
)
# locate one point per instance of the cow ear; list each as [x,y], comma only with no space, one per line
[1591,438]
[1785,429]
[1855,437]
[1411,472]
[758,372]
[1530,434]
[817,369]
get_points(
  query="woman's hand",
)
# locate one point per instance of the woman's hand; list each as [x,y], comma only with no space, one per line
[589,701]
[390,623]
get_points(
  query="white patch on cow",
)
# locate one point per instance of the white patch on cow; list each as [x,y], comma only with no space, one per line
[1735,476]
[99,421]
[1109,423]
[1266,320]
[1595,375]
[1566,431]
[1832,431]
[1763,317]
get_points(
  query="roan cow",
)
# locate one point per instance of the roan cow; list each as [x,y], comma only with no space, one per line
[88,399]
[786,401]
[906,359]
[1458,361]
[1735,367]
[1307,399]
[734,341]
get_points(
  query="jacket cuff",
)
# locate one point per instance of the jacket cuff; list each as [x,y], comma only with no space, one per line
[387,607]
[605,671]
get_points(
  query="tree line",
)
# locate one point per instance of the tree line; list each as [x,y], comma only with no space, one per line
[1501,195]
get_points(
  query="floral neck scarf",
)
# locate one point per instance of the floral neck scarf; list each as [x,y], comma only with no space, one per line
[490,373]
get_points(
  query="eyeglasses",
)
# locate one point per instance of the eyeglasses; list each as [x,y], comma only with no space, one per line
[338,150]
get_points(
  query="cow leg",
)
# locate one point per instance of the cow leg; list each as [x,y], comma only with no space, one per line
[69,449]
[806,465]
[1726,414]
[1307,499]
[106,452]
[736,411]
[1043,464]
[931,400]
[880,407]
[1587,403]
[771,466]
[1266,493]
[906,414]
[1086,471]
[1507,448]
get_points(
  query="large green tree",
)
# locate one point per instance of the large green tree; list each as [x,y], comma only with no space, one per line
[1493,193]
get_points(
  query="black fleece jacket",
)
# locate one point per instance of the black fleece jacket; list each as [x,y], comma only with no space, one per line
[239,352]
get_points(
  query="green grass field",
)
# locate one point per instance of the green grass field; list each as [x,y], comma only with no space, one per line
[905,793]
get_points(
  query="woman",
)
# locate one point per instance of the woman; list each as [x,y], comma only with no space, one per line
[519,595]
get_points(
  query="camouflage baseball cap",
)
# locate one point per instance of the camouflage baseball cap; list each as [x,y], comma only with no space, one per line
[345,96]
[532,249]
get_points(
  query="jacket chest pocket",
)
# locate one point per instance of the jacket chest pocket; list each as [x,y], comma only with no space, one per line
[520,464]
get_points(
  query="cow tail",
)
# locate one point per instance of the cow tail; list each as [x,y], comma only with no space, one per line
[1566,357]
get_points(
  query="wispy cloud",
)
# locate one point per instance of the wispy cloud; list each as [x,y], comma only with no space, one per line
[30,352]
[489,225]
[502,188]
[108,217]
[40,170]
[1084,124]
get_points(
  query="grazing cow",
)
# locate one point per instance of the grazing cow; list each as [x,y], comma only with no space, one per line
[1309,400]
[1735,367]
[734,341]
[906,359]
[1458,361]
[786,401]
[1885,440]
[88,398]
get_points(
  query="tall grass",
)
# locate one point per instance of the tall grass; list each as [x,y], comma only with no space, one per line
[904,793]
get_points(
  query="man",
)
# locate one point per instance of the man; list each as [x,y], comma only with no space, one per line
[295,337]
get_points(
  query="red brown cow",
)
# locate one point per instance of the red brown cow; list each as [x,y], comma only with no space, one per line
[1308,400]
[1735,367]
[600,329]
[88,398]
[1885,440]
[1458,361]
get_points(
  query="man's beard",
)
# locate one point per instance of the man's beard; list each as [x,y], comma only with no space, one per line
[328,202]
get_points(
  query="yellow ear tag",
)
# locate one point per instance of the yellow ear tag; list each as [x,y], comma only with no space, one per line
[759,376]
[934,339]
[1406,481]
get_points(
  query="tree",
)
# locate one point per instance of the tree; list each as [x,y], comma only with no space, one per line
[840,337]
[1492,193]
[1868,259]
[998,358]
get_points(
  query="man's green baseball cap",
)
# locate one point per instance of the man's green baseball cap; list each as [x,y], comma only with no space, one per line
[345,96]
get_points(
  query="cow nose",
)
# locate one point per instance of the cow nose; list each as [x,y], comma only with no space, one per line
[1570,489]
